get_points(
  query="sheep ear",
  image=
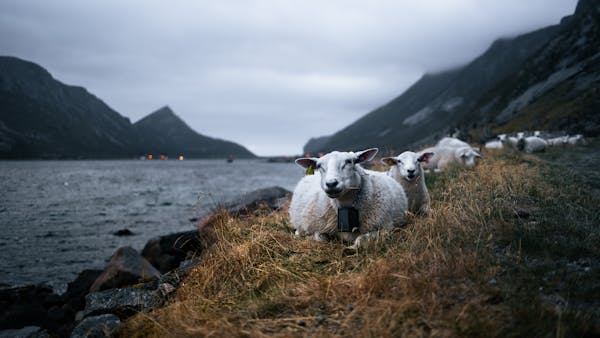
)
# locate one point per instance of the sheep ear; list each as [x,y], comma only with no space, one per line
[366,155]
[478,154]
[425,157]
[306,162]
[391,161]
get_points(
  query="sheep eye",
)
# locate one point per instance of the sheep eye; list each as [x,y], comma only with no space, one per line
[348,161]
[318,166]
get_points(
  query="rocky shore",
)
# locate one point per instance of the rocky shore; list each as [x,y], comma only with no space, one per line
[97,301]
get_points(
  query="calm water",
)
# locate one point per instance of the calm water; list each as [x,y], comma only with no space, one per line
[57,217]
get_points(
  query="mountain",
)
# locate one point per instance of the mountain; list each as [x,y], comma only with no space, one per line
[163,132]
[314,145]
[544,79]
[41,117]
[558,88]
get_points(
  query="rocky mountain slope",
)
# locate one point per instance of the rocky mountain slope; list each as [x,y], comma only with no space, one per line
[40,117]
[544,79]
[163,132]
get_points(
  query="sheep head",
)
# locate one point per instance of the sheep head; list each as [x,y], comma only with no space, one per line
[338,170]
[408,163]
[467,156]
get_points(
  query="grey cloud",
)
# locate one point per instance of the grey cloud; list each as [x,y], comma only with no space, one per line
[267,74]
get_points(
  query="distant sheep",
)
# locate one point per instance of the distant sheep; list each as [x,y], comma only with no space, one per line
[510,142]
[576,139]
[339,182]
[406,169]
[450,150]
[494,144]
[532,144]
[557,141]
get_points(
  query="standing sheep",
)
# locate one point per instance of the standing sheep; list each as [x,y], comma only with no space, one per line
[406,169]
[339,182]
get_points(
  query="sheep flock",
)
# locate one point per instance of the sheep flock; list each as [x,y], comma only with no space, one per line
[338,199]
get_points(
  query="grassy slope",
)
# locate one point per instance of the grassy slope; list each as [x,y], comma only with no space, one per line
[510,250]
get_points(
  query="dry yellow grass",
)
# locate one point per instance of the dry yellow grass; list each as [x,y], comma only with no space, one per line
[462,271]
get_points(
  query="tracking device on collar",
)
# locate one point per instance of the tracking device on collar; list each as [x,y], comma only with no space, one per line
[347,220]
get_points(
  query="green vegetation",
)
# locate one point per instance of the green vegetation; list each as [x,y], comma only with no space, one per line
[509,250]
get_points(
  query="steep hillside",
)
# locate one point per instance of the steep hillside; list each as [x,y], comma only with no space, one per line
[544,79]
[163,132]
[558,88]
[41,117]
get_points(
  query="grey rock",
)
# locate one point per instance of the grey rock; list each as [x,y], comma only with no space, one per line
[272,198]
[78,288]
[97,326]
[124,302]
[126,267]
[26,332]
[167,252]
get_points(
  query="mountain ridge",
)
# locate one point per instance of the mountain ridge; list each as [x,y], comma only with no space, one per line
[41,117]
[463,97]
[163,132]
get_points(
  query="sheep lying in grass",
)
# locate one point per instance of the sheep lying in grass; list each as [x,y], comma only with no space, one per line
[576,139]
[509,141]
[449,150]
[494,144]
[532,144]
[339,182]
[557,141]
[406,169]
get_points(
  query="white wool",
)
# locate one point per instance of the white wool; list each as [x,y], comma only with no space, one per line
[450,150]
[340,182]
[452,142]
[532,144]
[406,169]
[494,144]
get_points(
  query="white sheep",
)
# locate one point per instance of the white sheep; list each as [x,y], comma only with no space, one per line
[448,151]
[510,141]
[576,139]
[494,144]
[557,141]
[340,182]
[532,144]
[406,169]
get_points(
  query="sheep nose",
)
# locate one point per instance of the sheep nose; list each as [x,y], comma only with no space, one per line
[411,171]
[331,183]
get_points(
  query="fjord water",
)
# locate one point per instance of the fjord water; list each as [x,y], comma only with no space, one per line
[57,218]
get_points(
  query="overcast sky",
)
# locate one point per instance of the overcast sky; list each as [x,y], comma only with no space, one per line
[266,74]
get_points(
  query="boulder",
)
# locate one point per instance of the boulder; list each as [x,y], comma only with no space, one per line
[126,267]
[97,326]
[123,232]
[167,252]
[271,198]
[26,332]
[26,306]
[74,297]
[123,302]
